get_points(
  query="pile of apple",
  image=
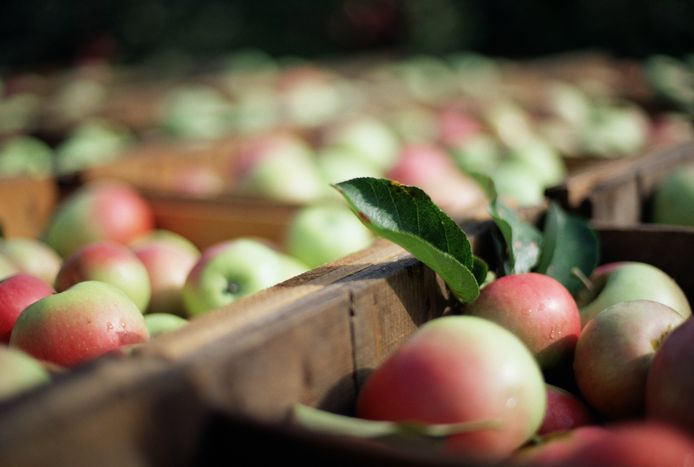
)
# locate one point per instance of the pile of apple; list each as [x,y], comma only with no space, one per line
[601,379]
[103,279]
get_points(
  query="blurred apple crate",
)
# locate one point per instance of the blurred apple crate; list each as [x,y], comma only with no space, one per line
[26,204]
[222,388]
[622,191]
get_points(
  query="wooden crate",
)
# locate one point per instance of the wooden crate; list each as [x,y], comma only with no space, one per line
[26,205]
[620,191]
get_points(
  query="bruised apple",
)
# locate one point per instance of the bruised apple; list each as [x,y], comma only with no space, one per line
[87,320]
[461,369]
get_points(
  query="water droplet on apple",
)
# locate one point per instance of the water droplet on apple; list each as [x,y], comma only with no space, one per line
[109,326]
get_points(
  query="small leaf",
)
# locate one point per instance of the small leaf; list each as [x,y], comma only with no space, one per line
[521,240]
[328,422]
[406,215]
[569,243]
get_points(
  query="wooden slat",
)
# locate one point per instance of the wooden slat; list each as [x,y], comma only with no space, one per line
[26,205]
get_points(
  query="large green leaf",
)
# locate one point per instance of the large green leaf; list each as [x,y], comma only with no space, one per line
[521,240]
[569,245]
[407,216]
[328,422]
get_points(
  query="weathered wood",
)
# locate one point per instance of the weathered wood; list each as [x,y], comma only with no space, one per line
[26,205]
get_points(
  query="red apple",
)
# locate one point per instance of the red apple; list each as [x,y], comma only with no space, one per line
[168,259]
[99,211]
[635,445]
[615,351]
[564,412]
[456,127]
[16,293]
[431,169]
[670,383]
[87,320]
[461,369]
[538,309]
[107,262]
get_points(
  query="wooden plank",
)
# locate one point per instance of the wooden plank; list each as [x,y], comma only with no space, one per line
[26,205]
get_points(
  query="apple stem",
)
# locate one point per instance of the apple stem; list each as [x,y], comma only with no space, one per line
[587,283]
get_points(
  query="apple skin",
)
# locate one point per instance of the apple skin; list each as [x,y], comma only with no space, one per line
[434,171]
[614,353]
[320,234]
[635,444]
[99,211]
[538,309]
[160,323]
[673,200]
[630,280]
[556,448]
[565,412]
[7,267]
[670,382]
[518,183]
[168,261]
[230,270]
[20,372]
[87,320]
[369,138]
[279,166]
[32,256]
[16,293]
[107,262]
[461,369]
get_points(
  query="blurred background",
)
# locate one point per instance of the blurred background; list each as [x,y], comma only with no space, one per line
[66,31]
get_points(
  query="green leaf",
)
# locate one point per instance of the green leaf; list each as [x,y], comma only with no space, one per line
[521,240]
[406,215]
[327,422]
[569,243]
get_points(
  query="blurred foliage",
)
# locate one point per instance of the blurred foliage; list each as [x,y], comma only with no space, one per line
[64,31]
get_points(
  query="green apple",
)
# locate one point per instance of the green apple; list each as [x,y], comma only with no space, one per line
[20,372]
[92,143]
[673,200]
[198,112]
[369,138]
[32,257]
[322,233]
[338,163]
[517,182]
[160,323]
[629,280]
[543,159]
[230,270]
[7,267]
[479,154]
[25,155]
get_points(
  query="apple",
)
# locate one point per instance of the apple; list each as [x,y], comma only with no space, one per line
[461,369]
[556,448]
[535,307]
[7,267]
[634,444]
[160,323]
[478,154]
[370,139]
[16,293]
[310,96]
[103,210]
[168,258]
[565,412]
[431,169]
[456,127]
[230,270]
[629,280]
[670,382]
[87,320]
[543,159]
[518,183]
[92,143]
[20,372]
[322,233]
[338,163]
[673,199]
[196,111]
[279,166]
[32,257]
[107,262]
[25,155]
[614,352]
